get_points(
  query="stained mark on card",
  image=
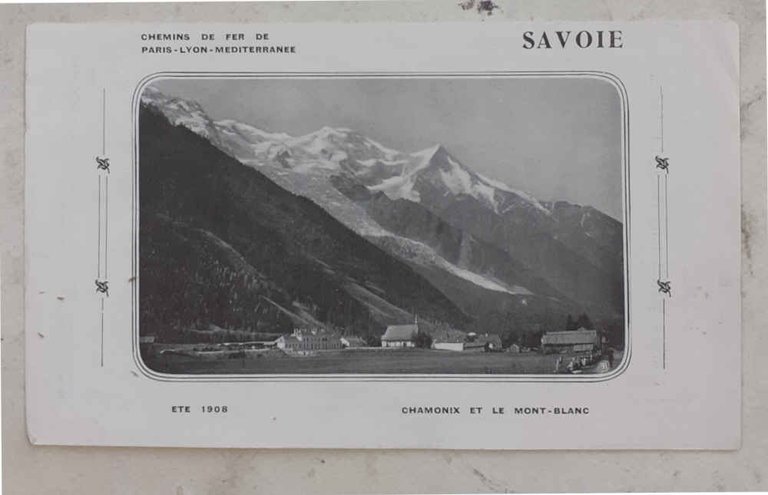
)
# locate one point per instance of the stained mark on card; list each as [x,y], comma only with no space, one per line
[746,236]
[488,482]
[483,7]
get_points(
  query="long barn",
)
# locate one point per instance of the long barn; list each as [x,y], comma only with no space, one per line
[581,340]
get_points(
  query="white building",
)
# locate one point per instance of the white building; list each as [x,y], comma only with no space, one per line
[353,341]
[309,340]
[456,341]
[449,341]
[448,346]
[400,336]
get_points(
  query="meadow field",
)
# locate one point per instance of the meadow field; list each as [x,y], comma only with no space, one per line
[362,361]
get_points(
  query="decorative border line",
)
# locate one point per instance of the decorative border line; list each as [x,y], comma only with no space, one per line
[612,79]
[102,248]
[663,283]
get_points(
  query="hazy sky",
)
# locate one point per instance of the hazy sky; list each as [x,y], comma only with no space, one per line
[556,138]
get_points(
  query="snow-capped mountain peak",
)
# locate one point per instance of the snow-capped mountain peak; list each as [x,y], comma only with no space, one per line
[445,173]
[183,112]
[333,150]
[250,132]
[327,141]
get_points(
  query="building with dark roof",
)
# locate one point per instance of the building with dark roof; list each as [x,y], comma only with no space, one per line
[491,341]
[581,340]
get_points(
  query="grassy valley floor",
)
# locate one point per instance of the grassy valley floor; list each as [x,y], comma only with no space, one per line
[364,361]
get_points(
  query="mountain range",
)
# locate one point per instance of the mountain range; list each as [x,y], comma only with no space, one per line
[471,252]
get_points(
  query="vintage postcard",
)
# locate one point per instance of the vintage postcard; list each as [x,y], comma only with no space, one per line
[491,235]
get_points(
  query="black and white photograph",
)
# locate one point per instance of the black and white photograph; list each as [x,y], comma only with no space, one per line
[381,225]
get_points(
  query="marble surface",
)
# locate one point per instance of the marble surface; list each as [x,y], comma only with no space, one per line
[85,470]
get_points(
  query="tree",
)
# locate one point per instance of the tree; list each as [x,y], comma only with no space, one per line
[615,334]
[532,339]
[423,340]
[509,338]
[570,323]
[372,340]
[584,322]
